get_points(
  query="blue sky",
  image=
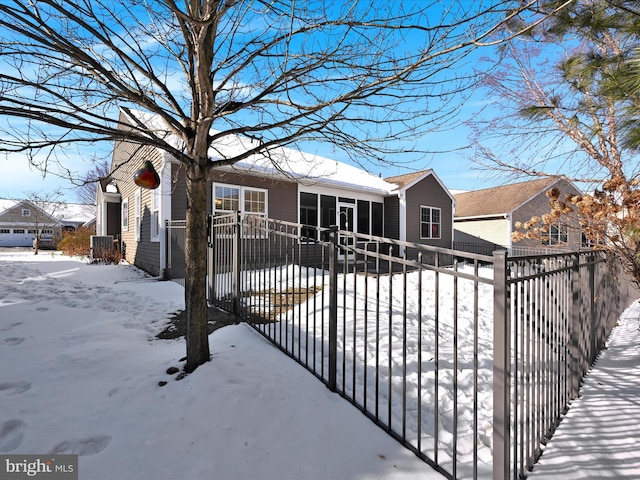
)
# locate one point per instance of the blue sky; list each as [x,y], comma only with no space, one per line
[18,177]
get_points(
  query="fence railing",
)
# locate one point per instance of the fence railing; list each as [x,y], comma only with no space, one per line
[468,360]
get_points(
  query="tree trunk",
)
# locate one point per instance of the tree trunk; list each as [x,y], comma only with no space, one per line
[196,269]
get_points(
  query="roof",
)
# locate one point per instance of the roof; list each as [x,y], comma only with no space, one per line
[74,212]
[408,180]
[6,204]
[284,163]
[499,200]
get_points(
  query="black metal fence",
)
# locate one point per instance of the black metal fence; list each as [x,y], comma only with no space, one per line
[468,360]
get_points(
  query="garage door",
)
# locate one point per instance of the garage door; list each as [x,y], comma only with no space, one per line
[15,237]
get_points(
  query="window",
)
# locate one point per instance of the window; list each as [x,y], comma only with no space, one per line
[246,200]
[377,211]
[556,235]
[155,214]
[125,215]
[18,230]
[4,231]
[26,212]
[364,217]
[137,214]
[309,215]
[227,198]
[255,201]
[327,211]
[429,222]
[320,211]
[47,231]
[32,231]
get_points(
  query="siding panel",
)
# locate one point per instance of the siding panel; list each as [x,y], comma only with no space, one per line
[429,193]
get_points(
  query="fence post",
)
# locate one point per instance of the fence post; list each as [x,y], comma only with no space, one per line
[211,265]
[333,307]
[501,369]
[167,246]
[235,260]
[575,332]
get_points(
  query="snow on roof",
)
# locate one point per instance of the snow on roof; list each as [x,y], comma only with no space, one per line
[6,204]
[70,212]
[74,212]
[304,168]
[285,163]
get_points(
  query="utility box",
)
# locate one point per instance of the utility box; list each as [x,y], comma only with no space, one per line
[101,244]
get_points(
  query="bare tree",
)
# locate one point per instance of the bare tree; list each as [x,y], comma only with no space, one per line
[561,104]
[42,216]
[368,77]
[87,190]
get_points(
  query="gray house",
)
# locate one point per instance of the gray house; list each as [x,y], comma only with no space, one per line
[303,188]
[486,219]
[21,219]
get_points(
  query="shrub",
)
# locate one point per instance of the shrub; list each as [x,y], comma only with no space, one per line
[107,256]
[76,243]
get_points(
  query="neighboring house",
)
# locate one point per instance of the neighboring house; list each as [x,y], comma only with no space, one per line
[486,219]
[302,188]
[20,219]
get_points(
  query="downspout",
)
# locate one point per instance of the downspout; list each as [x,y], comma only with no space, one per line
[509,232]
[453,227]
[164,212]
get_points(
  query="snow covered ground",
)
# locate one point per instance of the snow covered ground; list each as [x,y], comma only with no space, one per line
[402,357]
[81,369]
[599,437]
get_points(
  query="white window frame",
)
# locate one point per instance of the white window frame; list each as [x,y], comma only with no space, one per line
[137,214]
[242,192]
[124,217]
[242,196]
[430,223]
[26,212]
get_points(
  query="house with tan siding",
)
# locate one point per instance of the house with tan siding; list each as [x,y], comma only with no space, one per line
[485,219]
[284,184]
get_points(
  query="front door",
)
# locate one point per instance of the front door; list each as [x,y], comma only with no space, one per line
[346,216]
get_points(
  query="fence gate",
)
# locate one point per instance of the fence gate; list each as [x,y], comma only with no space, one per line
[175,241]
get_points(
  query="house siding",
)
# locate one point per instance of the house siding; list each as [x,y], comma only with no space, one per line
[495,231]
[282,196]
[538,206]
[428,193]
[127,158]
[179,192]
